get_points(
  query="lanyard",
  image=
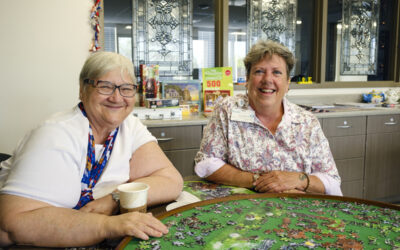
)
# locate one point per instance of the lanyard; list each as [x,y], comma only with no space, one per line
[94,168]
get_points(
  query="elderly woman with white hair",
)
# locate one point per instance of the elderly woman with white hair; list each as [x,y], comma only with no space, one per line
[56,189]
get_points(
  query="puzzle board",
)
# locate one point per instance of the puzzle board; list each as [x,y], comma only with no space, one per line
[278,221]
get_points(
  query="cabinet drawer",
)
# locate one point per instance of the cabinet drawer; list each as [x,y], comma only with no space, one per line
[180,137]
[351,169]
[383,123]
[343,126]
[347,146]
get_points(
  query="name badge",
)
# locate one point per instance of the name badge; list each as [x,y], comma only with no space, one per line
[242,115]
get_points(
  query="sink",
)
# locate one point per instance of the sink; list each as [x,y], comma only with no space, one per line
[315,109]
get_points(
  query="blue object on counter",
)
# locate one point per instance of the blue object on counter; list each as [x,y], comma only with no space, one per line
[374,97]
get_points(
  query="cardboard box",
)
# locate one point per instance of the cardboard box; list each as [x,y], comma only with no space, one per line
[190,109]
[187,91]
[158,114]
[161,103]
[211,97]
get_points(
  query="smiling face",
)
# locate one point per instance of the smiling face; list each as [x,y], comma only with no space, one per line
[267,84]
[106,112]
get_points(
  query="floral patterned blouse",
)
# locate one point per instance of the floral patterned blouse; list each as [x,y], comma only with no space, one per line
[299,143]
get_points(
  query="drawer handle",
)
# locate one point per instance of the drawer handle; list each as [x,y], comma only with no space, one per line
[165,139]
[344,126]
[390,123]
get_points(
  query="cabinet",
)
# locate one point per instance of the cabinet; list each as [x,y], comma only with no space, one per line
[382,161]
[180,144]
[346,136]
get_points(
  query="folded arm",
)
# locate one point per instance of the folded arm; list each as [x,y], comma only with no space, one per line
[230,175]
[285,181]
[216,170]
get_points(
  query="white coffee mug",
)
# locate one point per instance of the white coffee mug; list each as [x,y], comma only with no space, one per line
[133,197]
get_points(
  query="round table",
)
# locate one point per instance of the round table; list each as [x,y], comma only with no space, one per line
[275,221]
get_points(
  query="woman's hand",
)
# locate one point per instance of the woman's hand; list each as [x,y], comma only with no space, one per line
[105,205]
[139,225]
[280,181]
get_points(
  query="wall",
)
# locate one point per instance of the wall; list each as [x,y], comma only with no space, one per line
[43,45]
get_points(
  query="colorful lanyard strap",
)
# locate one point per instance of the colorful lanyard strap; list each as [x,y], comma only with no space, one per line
[94,168]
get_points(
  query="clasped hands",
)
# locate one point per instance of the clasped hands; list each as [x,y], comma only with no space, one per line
[277,181]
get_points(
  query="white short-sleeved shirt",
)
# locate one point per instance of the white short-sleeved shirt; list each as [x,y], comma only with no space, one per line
[49,163]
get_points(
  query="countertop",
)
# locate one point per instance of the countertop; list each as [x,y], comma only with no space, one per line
[335,112]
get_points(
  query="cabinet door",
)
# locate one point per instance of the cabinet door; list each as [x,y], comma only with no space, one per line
[183,160]
[346,136]
[351,169]
[382,166]
[351,172]
[352,189]
[382,160]
[344,147]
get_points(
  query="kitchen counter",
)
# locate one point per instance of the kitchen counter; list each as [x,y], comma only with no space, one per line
[186,121]
[345,112]
[333,112]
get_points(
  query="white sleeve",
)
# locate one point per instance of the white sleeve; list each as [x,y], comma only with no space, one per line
[332,186]
[46,167]
[140,134]
[208,166]
[5,168]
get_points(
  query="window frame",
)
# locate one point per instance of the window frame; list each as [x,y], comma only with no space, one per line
[319,63]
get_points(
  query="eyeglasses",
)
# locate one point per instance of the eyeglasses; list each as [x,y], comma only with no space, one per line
[108,88]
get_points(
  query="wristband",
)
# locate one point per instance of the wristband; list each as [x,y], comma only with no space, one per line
[115,196]
[308,181]
[255,177]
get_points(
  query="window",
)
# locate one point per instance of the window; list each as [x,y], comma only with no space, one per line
[380,44]
[237,39]
[178,36]
[304,39]
[319,41]
[302,15]
[118,27]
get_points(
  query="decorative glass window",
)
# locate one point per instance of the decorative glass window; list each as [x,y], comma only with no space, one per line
[304,40]
[237,39]
[359,37]
[303,36]
[384,42]
[163,35]
[273,20]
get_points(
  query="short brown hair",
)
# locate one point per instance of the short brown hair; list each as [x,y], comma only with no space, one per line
[263,47]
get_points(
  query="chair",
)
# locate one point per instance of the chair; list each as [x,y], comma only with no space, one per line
[4,157]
